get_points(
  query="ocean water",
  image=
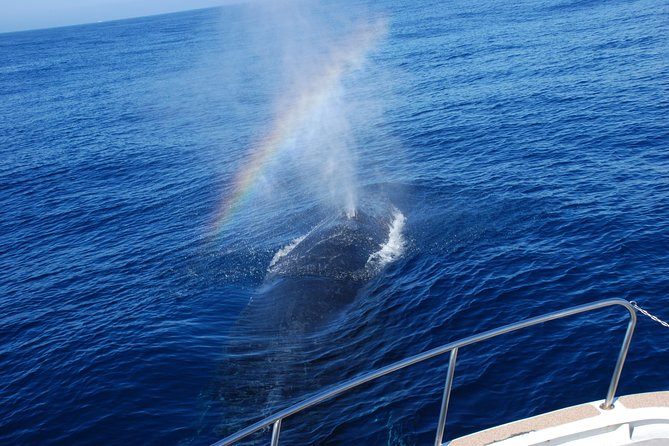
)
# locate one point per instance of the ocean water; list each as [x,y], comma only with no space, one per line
[177,261]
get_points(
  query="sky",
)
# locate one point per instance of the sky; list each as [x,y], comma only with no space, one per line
[18,15]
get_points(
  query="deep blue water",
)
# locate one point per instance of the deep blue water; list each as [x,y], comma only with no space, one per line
[527,146]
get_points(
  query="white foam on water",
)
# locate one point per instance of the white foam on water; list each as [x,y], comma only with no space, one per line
[394,247]
[283,252]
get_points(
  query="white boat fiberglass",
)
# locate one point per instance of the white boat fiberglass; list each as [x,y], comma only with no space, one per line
[640,419]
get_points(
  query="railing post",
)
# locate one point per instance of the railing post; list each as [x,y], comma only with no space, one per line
[275,432]
[608,403]
[446,397]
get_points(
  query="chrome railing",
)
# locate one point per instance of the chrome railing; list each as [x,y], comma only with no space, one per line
[453,347]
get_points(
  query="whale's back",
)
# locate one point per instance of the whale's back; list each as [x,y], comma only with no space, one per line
[338,248]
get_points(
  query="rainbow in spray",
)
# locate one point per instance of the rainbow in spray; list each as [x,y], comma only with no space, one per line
[344,58]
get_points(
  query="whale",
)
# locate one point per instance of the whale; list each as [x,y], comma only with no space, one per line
[308,285]
[310,280]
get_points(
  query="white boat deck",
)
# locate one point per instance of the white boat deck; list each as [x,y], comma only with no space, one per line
[641,419]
